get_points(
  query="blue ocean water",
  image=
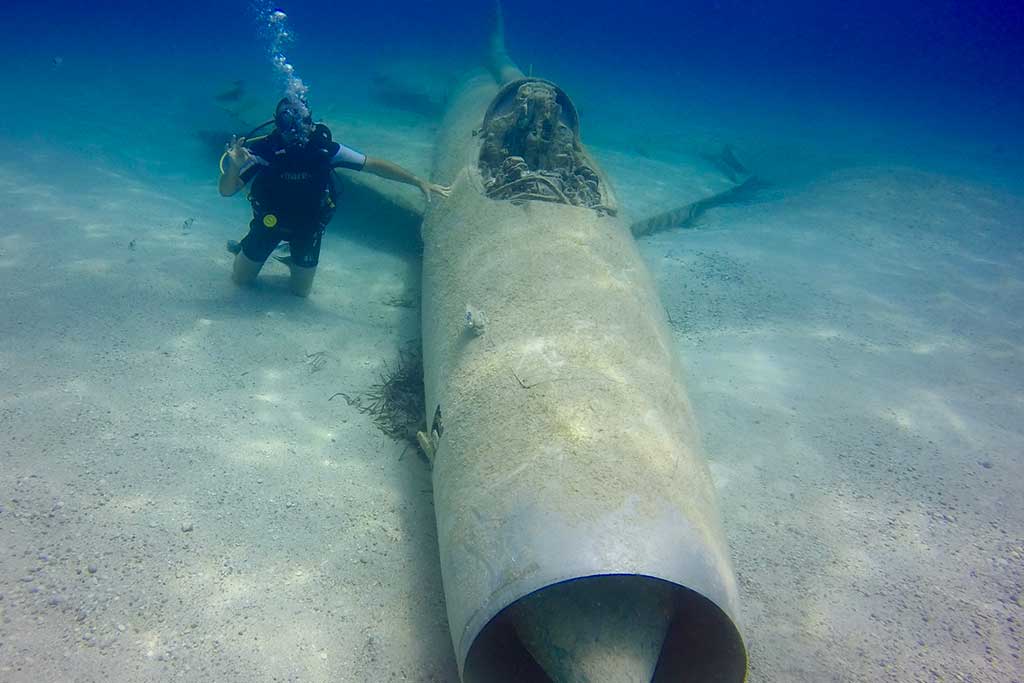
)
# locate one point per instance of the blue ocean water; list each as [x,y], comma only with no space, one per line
[934,77]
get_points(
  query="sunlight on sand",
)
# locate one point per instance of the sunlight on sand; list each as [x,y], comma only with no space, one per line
[262,452]
[931,411]
[39,192]
[721,474]
[151,642]
[97,230]
[12,241]
[134,503]
[939,404]
[828,333]
[948,344]
[94,266]
[899,416]
[760,371]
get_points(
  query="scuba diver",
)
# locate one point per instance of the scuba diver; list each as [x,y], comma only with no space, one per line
[293,192]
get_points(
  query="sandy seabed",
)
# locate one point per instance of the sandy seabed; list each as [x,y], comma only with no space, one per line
[181,498]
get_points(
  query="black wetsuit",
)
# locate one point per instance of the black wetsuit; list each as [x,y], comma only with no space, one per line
[293,193]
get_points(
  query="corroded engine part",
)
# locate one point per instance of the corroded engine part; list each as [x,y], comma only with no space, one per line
[531,148]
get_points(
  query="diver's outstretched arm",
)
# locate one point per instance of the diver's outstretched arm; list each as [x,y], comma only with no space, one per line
[390,171]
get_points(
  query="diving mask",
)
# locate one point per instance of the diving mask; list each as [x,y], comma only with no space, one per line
[294,123]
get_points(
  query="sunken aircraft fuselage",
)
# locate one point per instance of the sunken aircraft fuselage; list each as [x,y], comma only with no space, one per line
[577,522]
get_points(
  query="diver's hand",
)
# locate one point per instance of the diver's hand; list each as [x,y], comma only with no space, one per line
[238,154]
[432,188]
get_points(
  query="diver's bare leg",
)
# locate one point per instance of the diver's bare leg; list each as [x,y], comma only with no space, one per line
[301,280]
[245,269]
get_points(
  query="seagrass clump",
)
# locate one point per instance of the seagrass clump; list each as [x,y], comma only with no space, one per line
[395,402]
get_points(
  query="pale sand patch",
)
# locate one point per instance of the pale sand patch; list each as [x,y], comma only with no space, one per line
[854,358]
[181,498]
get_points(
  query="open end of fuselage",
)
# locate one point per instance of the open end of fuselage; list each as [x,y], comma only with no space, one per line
[621,628]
